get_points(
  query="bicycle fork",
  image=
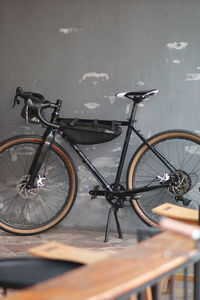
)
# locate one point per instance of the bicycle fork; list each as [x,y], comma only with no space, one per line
[40,157]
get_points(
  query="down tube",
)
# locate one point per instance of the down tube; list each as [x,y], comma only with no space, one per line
[91,167]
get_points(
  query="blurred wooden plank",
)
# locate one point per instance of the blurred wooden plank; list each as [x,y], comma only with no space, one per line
[184,214]
[54,250]
[118,274]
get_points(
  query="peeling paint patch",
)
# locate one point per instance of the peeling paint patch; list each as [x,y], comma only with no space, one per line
[141,105]
[111,98]
[91,105]
[128,108]
[140,83]
[117,149]
[177,45]
[176,61]
[102,76]
[85,178]
[149,135]
[68,31]
[109,162]
[193,77]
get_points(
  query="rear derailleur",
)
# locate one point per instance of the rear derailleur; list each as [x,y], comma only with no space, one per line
[185,201]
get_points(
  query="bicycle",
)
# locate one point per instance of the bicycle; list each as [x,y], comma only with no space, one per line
[38,180]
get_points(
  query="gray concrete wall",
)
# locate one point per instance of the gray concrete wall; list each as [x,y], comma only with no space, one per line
[84,52]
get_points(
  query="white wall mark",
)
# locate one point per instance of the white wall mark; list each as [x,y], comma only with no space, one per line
[111,98]
[67,31]
[140,83]
[117,149]
[177,45]
[176,61]
[92,105]
[109,162]
[141,104]
[193,77]
[102,76]
[128,108]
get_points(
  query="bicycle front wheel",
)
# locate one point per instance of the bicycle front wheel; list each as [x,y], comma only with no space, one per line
[29,211]
[182,149]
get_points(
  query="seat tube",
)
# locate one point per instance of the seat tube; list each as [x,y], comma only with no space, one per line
[125,146]
[40,156]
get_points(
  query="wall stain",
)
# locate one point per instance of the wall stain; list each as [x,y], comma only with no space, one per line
[193,77]
[102,76]
[91,105]
[177,45]
[68,31]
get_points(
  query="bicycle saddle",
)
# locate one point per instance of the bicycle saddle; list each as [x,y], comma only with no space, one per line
[138,96]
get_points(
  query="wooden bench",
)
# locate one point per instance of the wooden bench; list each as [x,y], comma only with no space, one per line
[55,250]
[184,214]
[176,212]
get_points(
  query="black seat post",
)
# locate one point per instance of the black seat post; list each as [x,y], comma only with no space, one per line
[125,146]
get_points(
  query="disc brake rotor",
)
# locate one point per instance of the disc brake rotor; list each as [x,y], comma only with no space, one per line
[29,193]
[180,184]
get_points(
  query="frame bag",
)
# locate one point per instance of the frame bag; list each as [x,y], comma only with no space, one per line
[88,132]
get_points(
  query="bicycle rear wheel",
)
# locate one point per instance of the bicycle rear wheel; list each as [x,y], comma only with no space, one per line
[182,149]
[29,211]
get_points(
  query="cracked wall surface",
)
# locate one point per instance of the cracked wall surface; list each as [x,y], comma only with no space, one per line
[84,52]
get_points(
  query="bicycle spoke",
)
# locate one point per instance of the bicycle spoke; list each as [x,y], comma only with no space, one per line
[31,209]
[183,152]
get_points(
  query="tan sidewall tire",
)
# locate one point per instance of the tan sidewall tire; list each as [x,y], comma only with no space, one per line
[139,153]
[73,189]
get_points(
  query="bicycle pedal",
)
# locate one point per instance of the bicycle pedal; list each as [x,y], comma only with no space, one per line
[93,192]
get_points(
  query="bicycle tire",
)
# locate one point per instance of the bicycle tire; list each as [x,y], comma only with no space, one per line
[30,211]
[182,149]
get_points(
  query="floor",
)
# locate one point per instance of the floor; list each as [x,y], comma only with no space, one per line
[12,245]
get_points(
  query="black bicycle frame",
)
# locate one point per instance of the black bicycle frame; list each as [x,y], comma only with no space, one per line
[106,186]
[49,139]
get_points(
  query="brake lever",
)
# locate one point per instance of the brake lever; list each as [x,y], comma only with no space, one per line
[17,93]
[16,101]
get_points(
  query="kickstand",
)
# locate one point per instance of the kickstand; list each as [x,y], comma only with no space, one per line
[115,209]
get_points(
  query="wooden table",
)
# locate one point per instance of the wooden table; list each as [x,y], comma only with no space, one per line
[117,274]
[176,212]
